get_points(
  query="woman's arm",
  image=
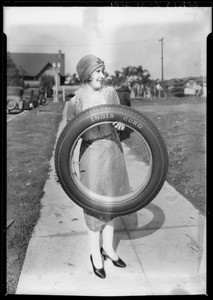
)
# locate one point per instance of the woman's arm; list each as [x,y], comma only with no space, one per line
[71,109]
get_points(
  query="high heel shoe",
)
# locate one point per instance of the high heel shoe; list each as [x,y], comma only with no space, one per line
[118,263]
[99,272]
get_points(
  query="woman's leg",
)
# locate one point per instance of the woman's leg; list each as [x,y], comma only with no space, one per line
[108,235]
[94,242]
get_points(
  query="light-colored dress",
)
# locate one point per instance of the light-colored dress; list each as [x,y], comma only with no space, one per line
[102,165]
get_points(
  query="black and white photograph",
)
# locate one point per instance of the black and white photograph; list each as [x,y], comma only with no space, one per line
[106,150]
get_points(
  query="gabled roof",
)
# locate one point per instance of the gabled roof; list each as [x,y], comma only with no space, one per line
[197,79]
[182,81]
[33,63]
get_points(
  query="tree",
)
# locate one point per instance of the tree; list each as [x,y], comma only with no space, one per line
[137,77]
[72,79]
[13,74]
[75,80]
[47,82]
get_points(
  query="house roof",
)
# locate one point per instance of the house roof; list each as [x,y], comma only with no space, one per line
[197,79]
[183,81]
[33,63]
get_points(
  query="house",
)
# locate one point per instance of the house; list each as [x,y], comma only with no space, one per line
[188,86]
[194,86]
[33,65]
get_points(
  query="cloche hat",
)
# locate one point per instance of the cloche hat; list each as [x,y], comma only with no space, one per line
[87,65]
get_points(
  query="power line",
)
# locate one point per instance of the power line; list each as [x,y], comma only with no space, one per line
[95,43]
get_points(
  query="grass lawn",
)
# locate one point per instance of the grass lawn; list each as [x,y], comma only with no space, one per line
[182,123]
[30,143]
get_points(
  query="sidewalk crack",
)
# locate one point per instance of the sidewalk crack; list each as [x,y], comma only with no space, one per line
[147,281]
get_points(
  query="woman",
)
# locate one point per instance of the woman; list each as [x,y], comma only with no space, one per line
[102,166]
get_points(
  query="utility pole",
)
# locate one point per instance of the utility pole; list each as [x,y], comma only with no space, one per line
[161,40]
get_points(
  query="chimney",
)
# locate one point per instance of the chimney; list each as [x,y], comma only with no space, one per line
[59,54]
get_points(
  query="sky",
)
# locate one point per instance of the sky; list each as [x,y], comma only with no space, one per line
[121,36]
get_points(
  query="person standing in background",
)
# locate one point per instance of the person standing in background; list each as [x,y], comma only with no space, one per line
[124,96]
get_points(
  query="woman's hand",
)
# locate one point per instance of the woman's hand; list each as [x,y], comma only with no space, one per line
[118,125]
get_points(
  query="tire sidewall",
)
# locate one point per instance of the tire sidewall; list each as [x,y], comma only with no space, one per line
[12,107]
[112,113]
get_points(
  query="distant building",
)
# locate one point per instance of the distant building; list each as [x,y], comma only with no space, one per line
[188,86]
[194,87]
[33,65]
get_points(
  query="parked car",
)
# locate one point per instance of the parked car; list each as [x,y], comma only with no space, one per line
[42,98]
[33,98]
[15,101]
[28,99]
[177,91]
[38,97]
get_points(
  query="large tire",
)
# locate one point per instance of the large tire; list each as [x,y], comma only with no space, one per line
[135,120]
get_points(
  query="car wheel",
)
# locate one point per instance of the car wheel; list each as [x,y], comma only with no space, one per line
[11,104]
[68,177]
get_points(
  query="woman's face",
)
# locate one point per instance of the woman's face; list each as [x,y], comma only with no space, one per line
[97,78]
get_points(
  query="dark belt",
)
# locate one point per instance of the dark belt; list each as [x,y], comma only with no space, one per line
[103,137]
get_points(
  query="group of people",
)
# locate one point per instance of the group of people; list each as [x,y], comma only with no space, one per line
[101,159]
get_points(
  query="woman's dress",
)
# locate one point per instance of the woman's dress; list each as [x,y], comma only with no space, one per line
[101,160]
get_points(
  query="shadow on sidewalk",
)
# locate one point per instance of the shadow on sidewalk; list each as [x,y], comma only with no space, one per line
[143,223]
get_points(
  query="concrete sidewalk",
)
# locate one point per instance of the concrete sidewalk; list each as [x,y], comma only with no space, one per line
[162,244]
